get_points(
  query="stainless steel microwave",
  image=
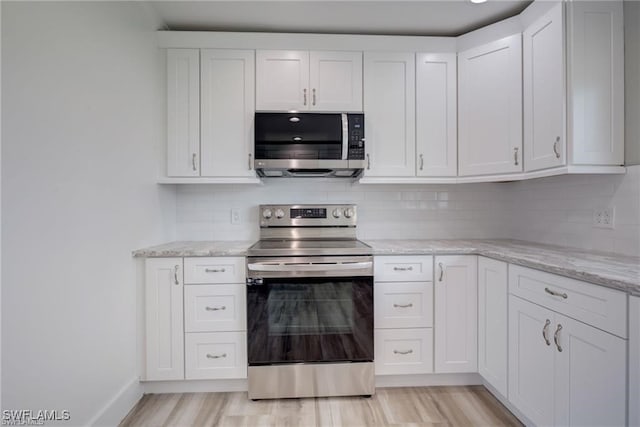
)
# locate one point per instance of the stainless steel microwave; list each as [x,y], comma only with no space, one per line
[309,144]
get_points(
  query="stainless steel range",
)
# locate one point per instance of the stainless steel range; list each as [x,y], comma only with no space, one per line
[309,304]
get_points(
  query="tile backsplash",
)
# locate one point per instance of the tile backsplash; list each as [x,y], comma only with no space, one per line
[554,210]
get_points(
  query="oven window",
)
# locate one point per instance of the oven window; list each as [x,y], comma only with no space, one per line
[310,309]
[310,320]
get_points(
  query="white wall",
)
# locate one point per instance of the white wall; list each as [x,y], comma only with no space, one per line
[385,211]
[83,115]
[559,210]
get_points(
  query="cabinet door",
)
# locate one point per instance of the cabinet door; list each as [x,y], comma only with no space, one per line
[490,108]
[389,108]
[531,360]
[335,81]
[227,99]
[492,322]
[282,80]
[596,82]
[436,113]
[164,320]
[591,375]
[456,314]
[544,91]
[183,112]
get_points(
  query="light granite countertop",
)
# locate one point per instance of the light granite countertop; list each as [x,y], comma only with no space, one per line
[606,269]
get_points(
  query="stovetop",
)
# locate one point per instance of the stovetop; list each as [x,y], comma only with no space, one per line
[309,248]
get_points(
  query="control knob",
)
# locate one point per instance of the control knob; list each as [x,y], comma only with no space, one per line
[336,213]
[266,214]
[279,213]
[348,213]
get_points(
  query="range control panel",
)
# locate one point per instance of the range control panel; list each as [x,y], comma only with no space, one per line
[308,215]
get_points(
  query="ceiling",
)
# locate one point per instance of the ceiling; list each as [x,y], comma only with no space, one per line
[422,18]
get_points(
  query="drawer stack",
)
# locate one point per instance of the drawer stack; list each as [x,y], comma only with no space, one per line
[403,313]
[215,320]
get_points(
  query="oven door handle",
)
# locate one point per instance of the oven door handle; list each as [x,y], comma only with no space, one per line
[310,267]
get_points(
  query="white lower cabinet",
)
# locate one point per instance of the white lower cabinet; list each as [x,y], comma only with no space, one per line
[215,355]
[564,372]
[492,322]
[403,314]
[403,351]
[195,331]
[163,315]
[634,361]
[456,314]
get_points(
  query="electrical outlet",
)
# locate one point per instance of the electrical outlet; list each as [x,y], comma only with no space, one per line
[235,216]
[604,218]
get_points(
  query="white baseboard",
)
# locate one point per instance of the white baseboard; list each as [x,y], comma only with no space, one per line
[425,380]
[119,406]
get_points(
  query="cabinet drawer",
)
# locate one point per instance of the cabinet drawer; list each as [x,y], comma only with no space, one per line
[212,308]
[414,268]
[595,305]
[403,305]
[215,355]
[214,270]
[404,351]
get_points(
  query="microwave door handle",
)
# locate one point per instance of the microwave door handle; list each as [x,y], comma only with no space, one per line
[310,267]
[345,136]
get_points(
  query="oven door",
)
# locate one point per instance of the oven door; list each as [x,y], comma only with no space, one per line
[310,319]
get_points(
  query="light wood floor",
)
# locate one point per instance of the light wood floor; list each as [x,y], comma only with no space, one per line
[415,406]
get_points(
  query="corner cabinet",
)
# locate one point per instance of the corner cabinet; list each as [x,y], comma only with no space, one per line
[390,114]
[302,80]
[210,113]
[456,314]
[164,313]
[492,322]
[490,108]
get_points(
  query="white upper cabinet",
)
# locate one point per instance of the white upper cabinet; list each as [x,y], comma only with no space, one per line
[596,82]
[301,80]
[490,108]
[282,80]
[227,110]
[389,109]
[436,114]
[544,91]
[335,80]
[183,112]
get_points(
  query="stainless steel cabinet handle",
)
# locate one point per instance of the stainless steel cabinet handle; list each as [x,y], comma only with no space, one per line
[402,305]
[175,275]
[556,293]
[250,165]
[214,270]
[193,162]
[515,156]
[402,268]
[368,162]
[421,162]
[402,352]
[216,356]
[441,271]
[304,96]
[544,331]
[313,101]
[556,337]
[555,147]
[215,308]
